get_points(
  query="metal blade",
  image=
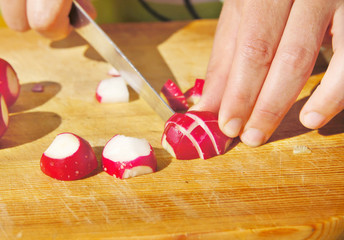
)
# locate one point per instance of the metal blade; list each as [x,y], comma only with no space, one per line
[101,42]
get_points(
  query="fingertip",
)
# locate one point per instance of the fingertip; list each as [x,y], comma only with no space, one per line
[232,127]
[313,120]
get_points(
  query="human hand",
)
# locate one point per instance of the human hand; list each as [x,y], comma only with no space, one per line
[264,52]
[49,18]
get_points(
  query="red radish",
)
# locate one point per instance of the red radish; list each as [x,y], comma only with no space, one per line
[194,135]
[4,116]
[193,95]
[113,72]
[112,90]
[69,157]
[9,83]
[37,88]
[126,157]
[174,96]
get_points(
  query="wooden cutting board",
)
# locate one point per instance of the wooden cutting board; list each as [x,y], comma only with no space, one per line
[248,193]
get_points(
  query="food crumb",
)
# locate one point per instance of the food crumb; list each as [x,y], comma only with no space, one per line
[37,88]
[300,149]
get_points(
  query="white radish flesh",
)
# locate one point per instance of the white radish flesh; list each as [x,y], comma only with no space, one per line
[4,119]
[112,90]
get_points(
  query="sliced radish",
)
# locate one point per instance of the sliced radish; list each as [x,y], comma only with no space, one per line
[38,87]
[9,83]
[4,116]
[194,135]
[113,72]
[112,90]
[193,95]
[69,157]
[126,157]
[174,96]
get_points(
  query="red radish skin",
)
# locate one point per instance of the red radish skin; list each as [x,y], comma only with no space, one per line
[112,90]
[174,96]
[126,157]
[4,119]
[194,135]
[193,95]
[9,83]
[69,157]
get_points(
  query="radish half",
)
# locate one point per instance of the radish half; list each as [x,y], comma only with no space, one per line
[69,157]
[9,83]
[4,116]
[126,157]
[112,90]
[194,135]
[193,95]
[174,96]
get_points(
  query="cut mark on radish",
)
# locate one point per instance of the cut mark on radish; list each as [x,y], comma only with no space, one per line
[136,171]
[167,146]
[13,85]
[201,123]
[68,142]
[4,111]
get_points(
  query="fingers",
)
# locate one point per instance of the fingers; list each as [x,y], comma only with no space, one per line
[221,57]
[328,99]
[290,69]
[260,30]
[14,14]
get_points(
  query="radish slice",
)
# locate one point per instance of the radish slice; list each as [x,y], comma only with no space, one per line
[9,83]
[193,95]
[69,157]
[113,72]
[194,135]
[174,96]
[112,90]
[4,116]
[126,157]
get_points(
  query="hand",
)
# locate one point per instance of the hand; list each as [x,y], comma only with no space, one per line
[263,54]
[49,18]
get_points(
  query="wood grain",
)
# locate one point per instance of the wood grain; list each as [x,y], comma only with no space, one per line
[249,193]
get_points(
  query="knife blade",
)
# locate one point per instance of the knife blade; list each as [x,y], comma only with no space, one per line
[88,29]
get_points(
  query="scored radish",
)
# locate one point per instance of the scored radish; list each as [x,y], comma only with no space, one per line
[4,116]
[174,96]
[194,135]
[9,83]
[126,157]
[114,72]
[69,157]
[112,90]
[193,95]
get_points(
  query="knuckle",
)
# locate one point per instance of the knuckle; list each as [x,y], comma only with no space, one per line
[259,51]
[268,114]
[298,57]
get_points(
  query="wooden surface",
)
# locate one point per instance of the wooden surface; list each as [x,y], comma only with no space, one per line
[249,193]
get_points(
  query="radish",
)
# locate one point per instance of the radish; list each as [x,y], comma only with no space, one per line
[69,157]
[193,95]
[4,116]
[126,157]
[9,83]
[113,72]
[194,135]
[174,96]
[38,87]
[112,90]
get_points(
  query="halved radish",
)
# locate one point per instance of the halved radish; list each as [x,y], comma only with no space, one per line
[9,83]
[112,90]
[193,95]
[113,72]
[126,157]
[174,96]
[194,135]
[69,157]
[4,116]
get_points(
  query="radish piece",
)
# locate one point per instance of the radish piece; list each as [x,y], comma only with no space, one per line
[113,72]
[126,157]
[37,88]
[193,95]
[174,96]
[69,157]
[194,135]
[4,116]
[9,83]
[112,90]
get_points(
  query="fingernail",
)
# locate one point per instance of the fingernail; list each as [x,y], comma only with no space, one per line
[233,127]
[313,120]
[253,137]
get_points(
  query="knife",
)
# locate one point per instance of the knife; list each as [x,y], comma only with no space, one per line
[87,28]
